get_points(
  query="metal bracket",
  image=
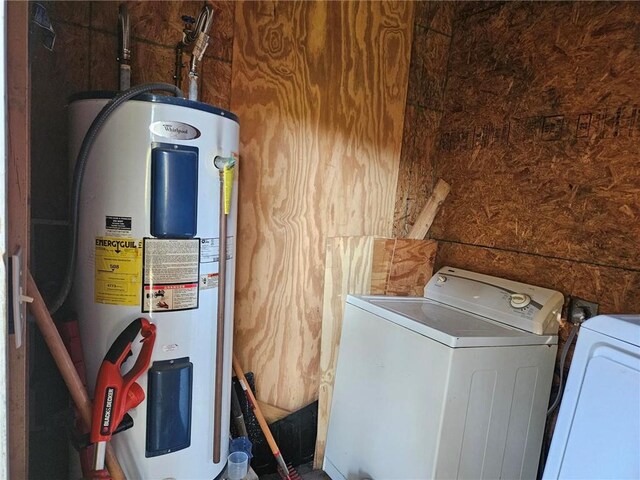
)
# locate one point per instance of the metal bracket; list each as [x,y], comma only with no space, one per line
[18,309]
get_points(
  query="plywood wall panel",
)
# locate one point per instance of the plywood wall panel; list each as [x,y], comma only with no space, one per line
[433,26]
[430,56]
[436,15]
[56,75]
[156,28]
[221,43]
[320,90]
[155,21]
[215,83]
[540,134]
[68,11]
[415,175]
[104,69]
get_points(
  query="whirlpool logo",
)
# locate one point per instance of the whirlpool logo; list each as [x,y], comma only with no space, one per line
[174,130]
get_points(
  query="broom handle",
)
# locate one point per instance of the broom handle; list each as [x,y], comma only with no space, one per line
[256,409]
[67,368]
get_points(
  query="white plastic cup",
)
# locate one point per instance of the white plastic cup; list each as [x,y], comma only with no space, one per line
[237,465]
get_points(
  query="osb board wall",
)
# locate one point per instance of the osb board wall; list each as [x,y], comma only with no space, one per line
[320,88]
[84,58]
[432,31]
[540,140]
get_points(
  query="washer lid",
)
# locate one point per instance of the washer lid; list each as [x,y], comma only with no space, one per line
[447,325]
[622,327]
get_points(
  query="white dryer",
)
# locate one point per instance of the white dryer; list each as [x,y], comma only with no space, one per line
[597,434]
[453,385]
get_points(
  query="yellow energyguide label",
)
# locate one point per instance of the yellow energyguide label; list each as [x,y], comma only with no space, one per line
[118,278]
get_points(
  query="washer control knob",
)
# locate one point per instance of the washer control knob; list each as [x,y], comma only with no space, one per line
[441,279]
[519,300]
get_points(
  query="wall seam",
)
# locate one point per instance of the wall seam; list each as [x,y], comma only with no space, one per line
[549,257]
[436,155]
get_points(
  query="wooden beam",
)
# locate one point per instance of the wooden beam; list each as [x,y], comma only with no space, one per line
[18,171]
[428,213]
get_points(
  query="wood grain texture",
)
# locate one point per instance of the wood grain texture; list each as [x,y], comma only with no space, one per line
[362,266]
[320,90]
[54,76]
[18,191]
[425,96]
[411,267]
[540,136]
[436,15]
[401,267]
[415,173]
[430,57]
[348,265]
[271,413]
[215,79]
[68,11]
[156,28]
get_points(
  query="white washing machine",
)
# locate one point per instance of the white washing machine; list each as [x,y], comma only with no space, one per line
[453,385]
[597,434]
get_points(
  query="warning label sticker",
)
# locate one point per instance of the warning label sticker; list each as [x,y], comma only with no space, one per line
[118,271]
[210,249]
[166,298]
[118,226]
[208,281]
[171,274]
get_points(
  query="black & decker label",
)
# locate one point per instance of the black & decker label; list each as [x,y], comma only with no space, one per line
[107,410]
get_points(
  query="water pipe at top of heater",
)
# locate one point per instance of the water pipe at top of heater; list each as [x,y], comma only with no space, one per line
[196,39]
[124,47]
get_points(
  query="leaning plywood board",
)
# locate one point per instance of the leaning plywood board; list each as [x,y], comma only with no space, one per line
[363,265]
[271,413]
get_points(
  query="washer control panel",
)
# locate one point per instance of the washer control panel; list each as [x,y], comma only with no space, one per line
[520,305]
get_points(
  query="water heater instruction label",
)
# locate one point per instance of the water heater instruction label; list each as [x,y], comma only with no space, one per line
[171,274]
[118,274]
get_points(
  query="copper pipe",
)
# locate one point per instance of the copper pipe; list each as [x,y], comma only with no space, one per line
[67,368]
[222,293]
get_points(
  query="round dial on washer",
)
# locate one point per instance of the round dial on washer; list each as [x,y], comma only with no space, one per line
[519,300]
[441,279]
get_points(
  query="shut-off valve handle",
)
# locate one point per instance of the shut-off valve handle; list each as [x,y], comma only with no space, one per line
[115,394]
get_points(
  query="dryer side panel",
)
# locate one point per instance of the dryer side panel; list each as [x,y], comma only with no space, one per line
[597,435]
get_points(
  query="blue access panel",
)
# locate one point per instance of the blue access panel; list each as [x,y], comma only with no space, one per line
[174,191]
[169,400]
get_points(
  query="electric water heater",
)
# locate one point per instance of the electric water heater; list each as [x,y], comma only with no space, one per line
[149,246]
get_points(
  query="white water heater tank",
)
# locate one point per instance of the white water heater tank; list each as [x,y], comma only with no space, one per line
[149,247]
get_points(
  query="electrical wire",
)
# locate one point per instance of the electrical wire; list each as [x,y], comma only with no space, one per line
[78,175]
